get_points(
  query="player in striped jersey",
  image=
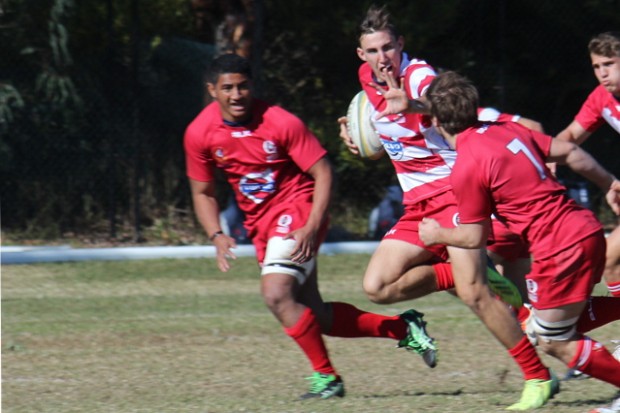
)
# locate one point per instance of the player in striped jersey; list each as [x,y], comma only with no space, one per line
[402,267]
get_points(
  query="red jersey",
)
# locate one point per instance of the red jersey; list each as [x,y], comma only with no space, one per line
[600,106]
[264,160]
[501,169]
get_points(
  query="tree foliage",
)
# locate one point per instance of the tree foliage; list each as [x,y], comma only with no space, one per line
[95,96]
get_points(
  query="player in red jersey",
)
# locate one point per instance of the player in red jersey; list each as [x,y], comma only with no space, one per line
[402,267]
[500,170]
[603,104]
[282,182]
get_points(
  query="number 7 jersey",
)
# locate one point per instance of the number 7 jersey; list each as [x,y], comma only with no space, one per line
[500,169]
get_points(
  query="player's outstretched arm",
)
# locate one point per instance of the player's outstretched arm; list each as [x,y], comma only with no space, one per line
[582,162]
[574,132]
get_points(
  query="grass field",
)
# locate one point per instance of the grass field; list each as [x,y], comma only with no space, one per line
[179,336]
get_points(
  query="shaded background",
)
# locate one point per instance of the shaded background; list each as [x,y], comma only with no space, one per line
[95,97]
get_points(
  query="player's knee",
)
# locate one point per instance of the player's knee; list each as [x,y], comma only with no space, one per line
[472,297]
[278,260]
[551,336]
[374,289]
[274,296]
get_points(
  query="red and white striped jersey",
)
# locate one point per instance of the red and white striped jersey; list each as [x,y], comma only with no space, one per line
[421,157]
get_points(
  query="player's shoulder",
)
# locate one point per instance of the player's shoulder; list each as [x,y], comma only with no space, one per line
[277,116]
[601,96]
[208,118]
[418,65]
[364,73]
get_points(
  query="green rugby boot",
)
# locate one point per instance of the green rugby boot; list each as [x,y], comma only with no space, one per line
[324,386]
[537,393]
[417,339]
[504,288]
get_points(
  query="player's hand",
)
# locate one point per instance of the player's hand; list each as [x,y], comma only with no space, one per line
[223,245]
[428,230]
[396,98]
[305,245]
[613,196]
[346,138]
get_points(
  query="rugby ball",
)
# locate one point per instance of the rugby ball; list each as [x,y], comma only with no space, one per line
[360,128]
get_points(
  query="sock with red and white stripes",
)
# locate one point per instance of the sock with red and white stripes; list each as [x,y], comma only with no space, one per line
[614,288]
[594,359]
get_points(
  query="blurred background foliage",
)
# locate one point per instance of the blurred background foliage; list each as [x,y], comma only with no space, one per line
[95,96]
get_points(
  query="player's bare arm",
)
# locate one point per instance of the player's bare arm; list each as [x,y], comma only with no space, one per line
[470,236]
[575,133]
[207,212]
[613,197]
[306,237]
[582,162]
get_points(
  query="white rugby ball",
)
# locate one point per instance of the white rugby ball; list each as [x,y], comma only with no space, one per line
[360,128]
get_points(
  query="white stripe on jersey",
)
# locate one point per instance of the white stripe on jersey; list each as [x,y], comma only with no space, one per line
[416,78]
[409,181]
[609,117]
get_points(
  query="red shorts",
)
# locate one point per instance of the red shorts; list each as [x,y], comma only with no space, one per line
[279,221]
[506,244]
[441,207]
[569,276]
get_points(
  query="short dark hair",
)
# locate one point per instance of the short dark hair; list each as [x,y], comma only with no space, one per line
[228,63]
[377,20]
[453,101]
[605,44]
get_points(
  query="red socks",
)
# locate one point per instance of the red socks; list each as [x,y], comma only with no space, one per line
[443,273]
[526,357]
[592,358]
[307,334]
[349,321]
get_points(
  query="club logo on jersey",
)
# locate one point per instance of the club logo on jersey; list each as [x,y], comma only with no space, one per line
[456,219]
[258,186]
[532,290]
[241,134]
[393,148]
[284,224]
[271,150]
[219,155]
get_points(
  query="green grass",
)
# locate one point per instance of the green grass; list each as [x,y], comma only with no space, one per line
[179,336]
